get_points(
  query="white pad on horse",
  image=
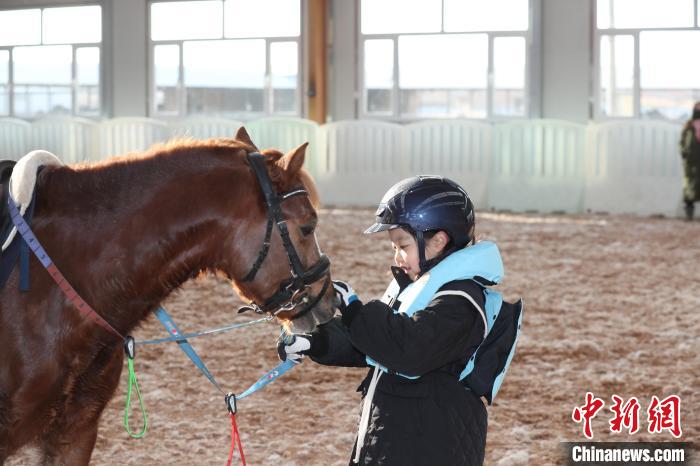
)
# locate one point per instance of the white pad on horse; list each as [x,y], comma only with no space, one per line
[23,180]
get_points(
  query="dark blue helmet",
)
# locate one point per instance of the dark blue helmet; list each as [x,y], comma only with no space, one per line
[425,203]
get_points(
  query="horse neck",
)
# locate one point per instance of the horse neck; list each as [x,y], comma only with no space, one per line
[143,228]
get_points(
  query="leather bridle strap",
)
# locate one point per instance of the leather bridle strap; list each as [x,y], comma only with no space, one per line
[274,215]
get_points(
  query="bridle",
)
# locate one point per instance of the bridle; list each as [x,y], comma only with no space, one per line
[294,292]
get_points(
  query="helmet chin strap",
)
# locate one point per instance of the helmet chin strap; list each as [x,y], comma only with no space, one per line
[425,264]
[422,263]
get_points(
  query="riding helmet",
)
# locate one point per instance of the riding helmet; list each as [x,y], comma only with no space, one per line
[426,203]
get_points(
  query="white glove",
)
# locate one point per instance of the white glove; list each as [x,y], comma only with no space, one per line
[294,347]
[345,293]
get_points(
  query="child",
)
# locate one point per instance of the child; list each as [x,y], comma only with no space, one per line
[422,401]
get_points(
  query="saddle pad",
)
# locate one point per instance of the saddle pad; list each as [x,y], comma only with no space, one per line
[23,181]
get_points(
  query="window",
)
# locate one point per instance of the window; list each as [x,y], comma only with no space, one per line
[405,75]
[641,67]
[50,61]
[4,82]
[226,57]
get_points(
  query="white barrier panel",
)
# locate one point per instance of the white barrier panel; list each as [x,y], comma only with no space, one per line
[285,134]
[71,139]
[120,136]
[634,167]
[205,127]
[538,165]
[14,138]
[457,149]
[359,162]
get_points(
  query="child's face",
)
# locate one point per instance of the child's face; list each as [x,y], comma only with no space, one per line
[406,249]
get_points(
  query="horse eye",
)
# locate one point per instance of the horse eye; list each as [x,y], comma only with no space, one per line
[307,230]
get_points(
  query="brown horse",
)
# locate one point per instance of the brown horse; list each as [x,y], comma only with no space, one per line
[126,233]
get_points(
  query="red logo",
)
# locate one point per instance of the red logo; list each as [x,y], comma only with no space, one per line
[665,415]
[587,412]
[626,415]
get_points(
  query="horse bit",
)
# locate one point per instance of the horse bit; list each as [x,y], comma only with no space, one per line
[293,292]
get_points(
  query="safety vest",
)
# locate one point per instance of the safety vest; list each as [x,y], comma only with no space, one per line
[482,262]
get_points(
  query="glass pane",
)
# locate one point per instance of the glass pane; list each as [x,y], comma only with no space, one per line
[78,24]
[638,14]
[87,65]
[87,69]
[433,86]
[469,103]
[4,100]
[509,76]
[42,77]
[262,18]
[166,60]
[669,85]
[4,66]
[186,20]
[617,75]
[50,64]
[225,75]
[381,16]
[491,15]
[379,75]
[37,100]
[284,68]
[4,80]
[20,27]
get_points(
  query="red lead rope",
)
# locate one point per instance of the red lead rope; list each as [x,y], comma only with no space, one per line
[235,438]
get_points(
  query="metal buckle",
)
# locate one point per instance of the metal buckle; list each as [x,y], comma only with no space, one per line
[230,399]
[250,307]
[130,347]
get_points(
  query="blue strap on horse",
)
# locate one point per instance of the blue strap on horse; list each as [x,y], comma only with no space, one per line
[18,249]
[181,340]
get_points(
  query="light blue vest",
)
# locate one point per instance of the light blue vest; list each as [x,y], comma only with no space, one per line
[480,260]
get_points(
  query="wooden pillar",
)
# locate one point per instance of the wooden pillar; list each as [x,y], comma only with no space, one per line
[317,92]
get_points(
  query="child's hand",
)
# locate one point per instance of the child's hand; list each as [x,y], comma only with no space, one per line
[345,293]
[294,347]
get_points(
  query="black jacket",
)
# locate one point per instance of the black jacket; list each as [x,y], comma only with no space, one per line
[433,420]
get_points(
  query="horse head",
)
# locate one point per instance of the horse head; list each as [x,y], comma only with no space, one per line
[286,275]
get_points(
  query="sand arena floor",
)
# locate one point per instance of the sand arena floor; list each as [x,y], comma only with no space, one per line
[611,306]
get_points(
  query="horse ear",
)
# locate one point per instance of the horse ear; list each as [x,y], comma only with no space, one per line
[293,160]
[242,135]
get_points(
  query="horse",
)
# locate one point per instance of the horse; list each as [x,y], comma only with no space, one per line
[126,233]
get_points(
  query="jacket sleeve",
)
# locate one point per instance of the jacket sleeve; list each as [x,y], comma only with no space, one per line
[440,334]
[332,347]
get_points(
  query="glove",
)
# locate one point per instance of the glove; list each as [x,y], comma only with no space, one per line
[346,295]
[294,347]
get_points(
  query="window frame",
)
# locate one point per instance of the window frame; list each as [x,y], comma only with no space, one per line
[104,107]
[532,60]
[267,87]
[635,34]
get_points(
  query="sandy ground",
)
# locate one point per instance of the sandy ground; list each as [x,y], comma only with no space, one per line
[612,306]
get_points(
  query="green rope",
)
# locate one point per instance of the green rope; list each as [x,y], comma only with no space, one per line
[135,384]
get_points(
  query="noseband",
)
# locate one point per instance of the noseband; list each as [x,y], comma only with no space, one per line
[294,292]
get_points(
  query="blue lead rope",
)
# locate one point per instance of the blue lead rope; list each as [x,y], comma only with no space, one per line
[268,378]
[172,329]
[181,340]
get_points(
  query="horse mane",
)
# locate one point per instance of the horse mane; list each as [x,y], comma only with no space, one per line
[186,149]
